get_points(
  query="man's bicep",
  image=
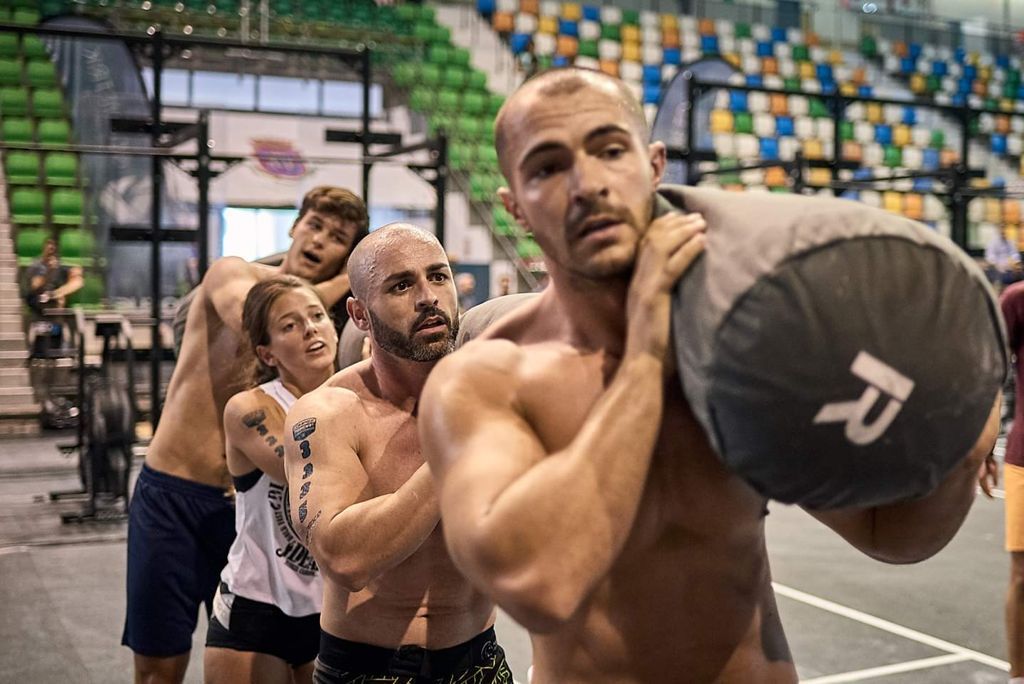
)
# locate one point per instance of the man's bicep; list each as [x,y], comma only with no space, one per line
[484,449]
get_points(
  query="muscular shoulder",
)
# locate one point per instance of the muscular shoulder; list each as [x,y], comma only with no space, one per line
[333,409]
[224,269]
[485,370]
[248,409]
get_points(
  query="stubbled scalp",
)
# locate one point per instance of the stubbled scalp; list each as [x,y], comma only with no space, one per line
[560,82]
[362,265]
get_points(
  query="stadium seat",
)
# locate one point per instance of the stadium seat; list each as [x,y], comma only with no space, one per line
[9,45]
[90,294]
[10,72]
[22,168]
[60,169]
[41,73]
[76,243]
[66,207]
[13,102]
[48,103]
[54,132]
[27,206]
[28,244]
[16,130]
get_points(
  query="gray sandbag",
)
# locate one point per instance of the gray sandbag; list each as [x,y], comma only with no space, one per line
[836,354]
[473,322]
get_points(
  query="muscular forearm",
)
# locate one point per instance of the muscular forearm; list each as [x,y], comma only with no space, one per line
[552,533]
[332,290]
[912,531]
[370,537]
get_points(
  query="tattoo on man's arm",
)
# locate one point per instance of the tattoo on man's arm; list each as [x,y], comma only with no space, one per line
[312,526]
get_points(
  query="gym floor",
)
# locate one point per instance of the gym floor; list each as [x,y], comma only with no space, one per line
[848,618]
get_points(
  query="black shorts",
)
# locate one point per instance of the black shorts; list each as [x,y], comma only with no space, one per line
[257,627]
[179,533]
[478,661]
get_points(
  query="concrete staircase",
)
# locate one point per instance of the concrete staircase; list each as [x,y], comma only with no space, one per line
[19,410]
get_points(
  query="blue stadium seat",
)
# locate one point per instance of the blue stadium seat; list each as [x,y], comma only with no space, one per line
[755,80]
[784,125]
[930,159]
[883,134]
[737,101]
[909,116]
[709,45]
[672,56]
[764,49]
[592,13]
[769,149]
[568,28]
[998,142]
[652,93]
[940,68]
[518,42]
[778,34]
[652,73]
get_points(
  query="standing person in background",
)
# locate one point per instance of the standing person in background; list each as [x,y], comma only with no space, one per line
[181,519]
[1012,304]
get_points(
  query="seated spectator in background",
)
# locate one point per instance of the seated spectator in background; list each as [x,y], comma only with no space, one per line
[504,286]
[465,283]
[1003,259]
[50,282]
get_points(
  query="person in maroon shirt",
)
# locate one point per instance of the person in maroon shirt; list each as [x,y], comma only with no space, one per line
[1012,304]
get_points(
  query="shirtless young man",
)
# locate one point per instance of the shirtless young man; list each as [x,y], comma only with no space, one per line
[181,521]
[395,608]
[576,486]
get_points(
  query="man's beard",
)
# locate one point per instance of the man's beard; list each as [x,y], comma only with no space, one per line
[404,346]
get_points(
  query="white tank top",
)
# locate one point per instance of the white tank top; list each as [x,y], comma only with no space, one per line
[268,561]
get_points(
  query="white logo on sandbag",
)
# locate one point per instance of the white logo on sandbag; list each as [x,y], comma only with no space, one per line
[881,379]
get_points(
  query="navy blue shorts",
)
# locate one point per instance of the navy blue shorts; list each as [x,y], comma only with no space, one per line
[179,533]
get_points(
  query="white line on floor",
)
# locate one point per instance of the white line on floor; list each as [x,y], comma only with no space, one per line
[999,493]
[891,627]
[886,670]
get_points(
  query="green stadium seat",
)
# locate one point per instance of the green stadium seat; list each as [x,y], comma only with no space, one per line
[10,72]
[66,207]
[439,54]
[473,103]
[16,130]
[448,101]
[423,32]
[442,34]
[28,244]
[13,102]
[460,56]
[407,12]
[9,45]
[33,48]
[91,293]
[481,189]
[742,30]
[477,80]
[54,131]
[25,17]
[467,128]
[495,104]
[22,168]
[487,155]
[588,48]
[27,206]
[404,74]
[430,75]
[41,73]
[76,243]
[48,103]
[454,78]
[427,14]
[422,99]
[526,248]
[441,122]
[460,156]
[60,169]
[611,32]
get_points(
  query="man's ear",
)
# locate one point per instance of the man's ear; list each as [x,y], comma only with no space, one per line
[659,157]
[358,313]
[512,207]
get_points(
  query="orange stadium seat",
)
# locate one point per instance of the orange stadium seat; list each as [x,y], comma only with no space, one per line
[610,67]
[503,22]
[567,46]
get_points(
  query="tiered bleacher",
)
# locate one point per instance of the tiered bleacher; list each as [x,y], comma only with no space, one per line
[44,188]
